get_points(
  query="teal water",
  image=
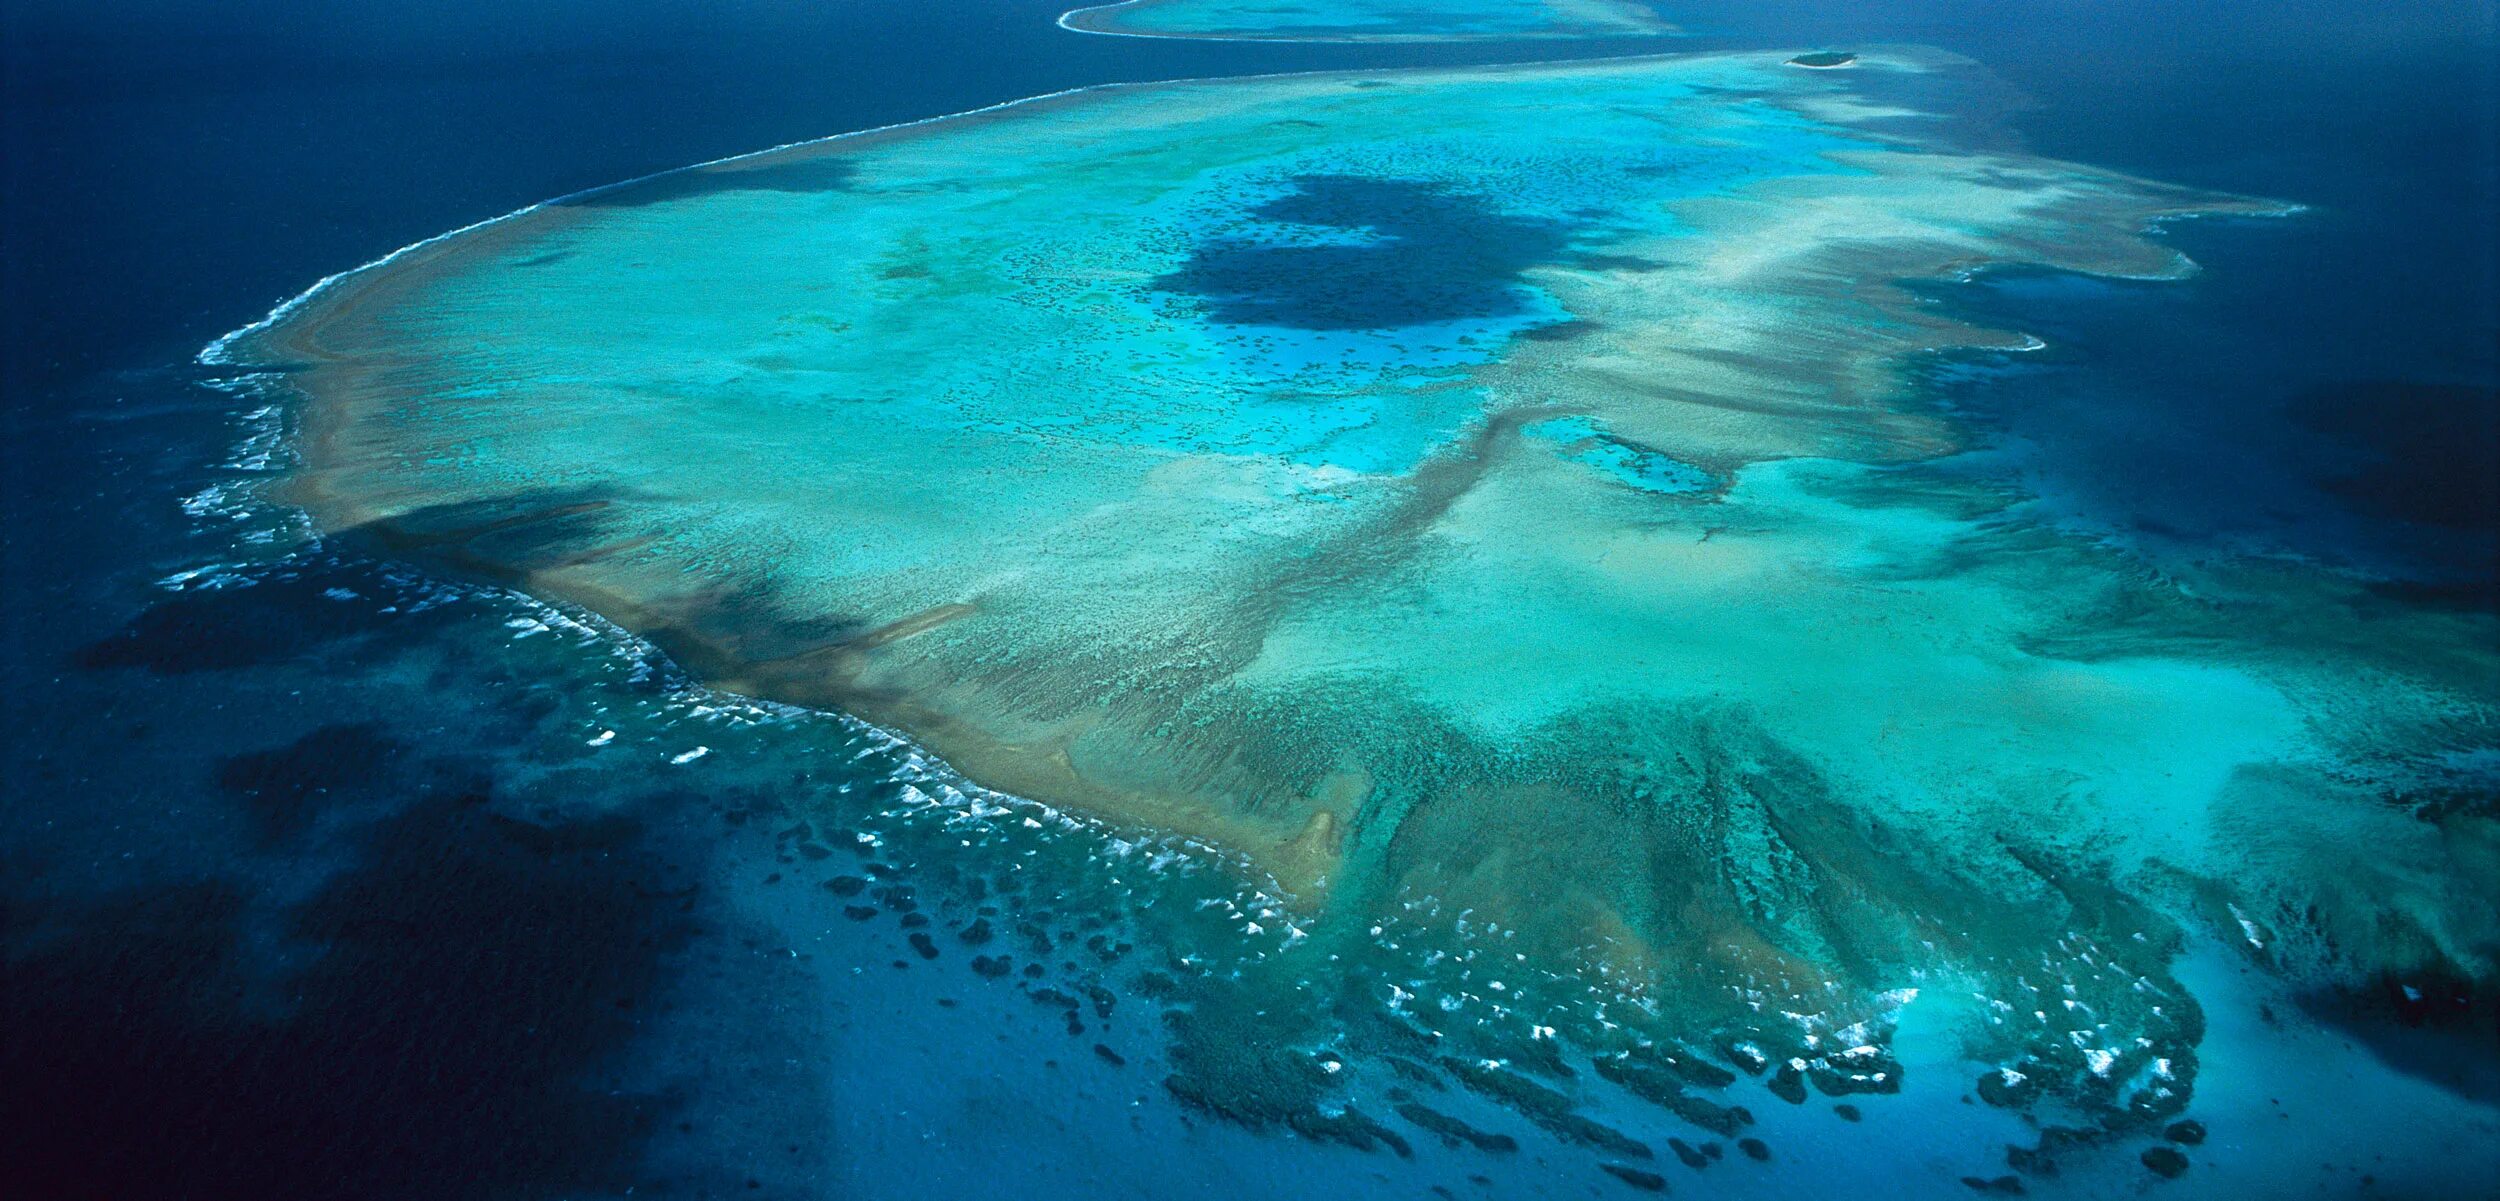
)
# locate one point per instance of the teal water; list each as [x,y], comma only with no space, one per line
[1585,442]
[1246,461]
[277,827]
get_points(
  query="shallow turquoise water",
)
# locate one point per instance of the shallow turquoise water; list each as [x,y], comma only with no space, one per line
[1359,20]
[1485,500]
[170,742]
[1585,442]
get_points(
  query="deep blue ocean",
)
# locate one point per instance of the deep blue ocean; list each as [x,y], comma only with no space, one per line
[272,930]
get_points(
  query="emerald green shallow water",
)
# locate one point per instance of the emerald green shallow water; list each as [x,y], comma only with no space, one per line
[1490,500]
[1370,20]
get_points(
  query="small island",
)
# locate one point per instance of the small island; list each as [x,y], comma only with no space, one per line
[1823,60]
[1370,20]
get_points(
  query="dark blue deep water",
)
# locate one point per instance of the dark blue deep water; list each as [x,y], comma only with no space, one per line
[290,908]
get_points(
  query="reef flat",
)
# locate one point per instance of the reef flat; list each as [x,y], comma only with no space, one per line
[1370,20]
[1496,502]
